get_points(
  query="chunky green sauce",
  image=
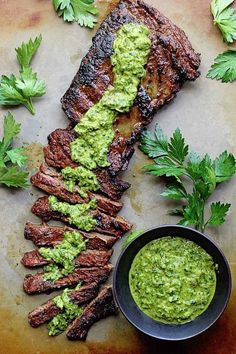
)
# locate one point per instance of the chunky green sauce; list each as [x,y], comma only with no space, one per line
[84,178]
[172,280]
[95,130]
[64,255]
[60,322]
[78,214]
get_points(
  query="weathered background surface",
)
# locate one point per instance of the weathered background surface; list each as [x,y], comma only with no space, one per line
[205,112]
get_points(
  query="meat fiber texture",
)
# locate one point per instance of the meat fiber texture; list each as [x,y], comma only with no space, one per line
[171,63]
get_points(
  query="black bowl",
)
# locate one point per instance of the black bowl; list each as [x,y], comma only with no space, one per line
[154,328]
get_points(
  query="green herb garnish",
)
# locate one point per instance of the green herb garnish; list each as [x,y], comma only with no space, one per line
[224,18]
[173,160]
[224,67]
[16,90]
[81,11]
[12,159]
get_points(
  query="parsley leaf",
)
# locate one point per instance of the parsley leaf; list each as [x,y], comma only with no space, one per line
[173,160]
[218,213]
[224,167]
[81,11]
[224,67]
[27,50]
[12,159]
[224,18]
[132,236]
[20,90]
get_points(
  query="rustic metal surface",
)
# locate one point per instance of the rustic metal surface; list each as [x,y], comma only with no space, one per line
[203,110]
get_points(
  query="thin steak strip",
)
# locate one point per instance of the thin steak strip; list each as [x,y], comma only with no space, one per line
[105,223]
[35,284]
[45,235]
[102,306]
[88,258]
[48,310]
[55,185]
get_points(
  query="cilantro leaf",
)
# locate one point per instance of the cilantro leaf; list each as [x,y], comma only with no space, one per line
[177,147]
[218,213]
[224,18]
[10,130]
[225,167]
[81,11]
[132,236]
[11,160]
[173,160]
[154,146]
[20,90]
[224,68]
[13,177]
[17,156]
[27,50]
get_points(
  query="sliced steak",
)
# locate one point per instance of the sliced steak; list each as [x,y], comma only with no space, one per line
[45,235]
[105,223]
[88,258]
[57,155]
[172,61]
[48,310]
[56,186]
[35,284]
[102,306]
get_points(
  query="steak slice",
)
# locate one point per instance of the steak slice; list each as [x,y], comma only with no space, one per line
[102,306]
[35,284]
[88,258]
[105,223]
[172,61]
[57,155]
[45,235]
[48,310]
[56,186]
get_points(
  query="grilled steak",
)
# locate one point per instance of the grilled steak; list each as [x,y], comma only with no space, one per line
[57,154]
[89,258]
[172,62]
[48,310]
[57,187]
[34,283]
[45,235]
[102,306]
[105,223]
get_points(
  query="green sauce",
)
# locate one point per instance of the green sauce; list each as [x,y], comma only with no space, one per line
[95,130]
[64,254]
[78,213]
[60,322]
[172,280]
[84,178]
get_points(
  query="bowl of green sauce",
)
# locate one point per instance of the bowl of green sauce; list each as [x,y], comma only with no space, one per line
[172,282]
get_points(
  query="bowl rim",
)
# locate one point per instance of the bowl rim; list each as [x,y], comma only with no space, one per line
[129,246]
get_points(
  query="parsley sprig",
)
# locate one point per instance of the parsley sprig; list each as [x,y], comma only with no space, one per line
[16,90]
[173,160]
[12,159]
[224,18]
[224,67]
[81,11]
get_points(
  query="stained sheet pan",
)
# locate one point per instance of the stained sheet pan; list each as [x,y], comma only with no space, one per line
[204,111]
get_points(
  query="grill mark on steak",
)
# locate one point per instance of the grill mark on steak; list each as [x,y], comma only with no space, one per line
[102,306]
[57,155]
[45,235]
[48,310]
[35,284]
[88,258]
[105,223]
[56,186]
[171,62]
